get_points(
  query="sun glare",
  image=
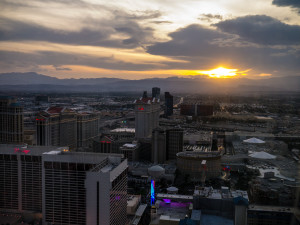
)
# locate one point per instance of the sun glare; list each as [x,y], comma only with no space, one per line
[220,72]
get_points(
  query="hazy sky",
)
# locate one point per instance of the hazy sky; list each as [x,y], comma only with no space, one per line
[150,38]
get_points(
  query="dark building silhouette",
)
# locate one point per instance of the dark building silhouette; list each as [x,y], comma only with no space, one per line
[155,92]
[174,142]
[168,104]
[158,146]
[11,121]
[145,95]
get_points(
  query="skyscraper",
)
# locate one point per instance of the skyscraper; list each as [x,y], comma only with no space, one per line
[11,121]
[146,116]
[155,92]
[57,126]
[84,188]
[168,104]
[21,177]
[174,142]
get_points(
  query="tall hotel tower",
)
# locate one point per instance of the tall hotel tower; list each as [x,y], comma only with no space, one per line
[146,116]
[67,187]
[11,121]
[21,177]
[84,188]
[57,126]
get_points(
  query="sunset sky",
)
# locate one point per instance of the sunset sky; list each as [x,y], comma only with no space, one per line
[136,39]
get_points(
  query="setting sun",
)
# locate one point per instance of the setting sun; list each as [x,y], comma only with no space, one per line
[220,72]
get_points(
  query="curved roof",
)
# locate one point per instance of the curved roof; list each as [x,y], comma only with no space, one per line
[254,141]
[172,189]
[262,155]
[156,168]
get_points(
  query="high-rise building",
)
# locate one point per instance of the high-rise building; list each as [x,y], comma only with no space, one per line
[87,128]
[11,121]
[146,116]
[168,104]
[84,188]
[57,126]
[155,92]
[21,177]
[158,146]
[174,142]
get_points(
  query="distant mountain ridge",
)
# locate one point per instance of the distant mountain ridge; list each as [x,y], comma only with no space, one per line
[199,84]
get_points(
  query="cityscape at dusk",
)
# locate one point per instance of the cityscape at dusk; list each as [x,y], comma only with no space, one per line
[158,112]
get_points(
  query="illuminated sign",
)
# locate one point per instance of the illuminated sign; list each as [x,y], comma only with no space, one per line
[107,142]
[40,119]
[21,150]
[141,109]
[226,168]
[152,192]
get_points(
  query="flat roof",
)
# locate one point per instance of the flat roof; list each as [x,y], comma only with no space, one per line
[119,130]
[13,149]
[173,196]
[269,208]
[141,209]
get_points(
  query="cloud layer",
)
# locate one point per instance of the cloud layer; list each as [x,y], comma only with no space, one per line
[150,36]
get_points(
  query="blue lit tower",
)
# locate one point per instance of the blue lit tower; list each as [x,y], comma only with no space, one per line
[152,192]
[155,172]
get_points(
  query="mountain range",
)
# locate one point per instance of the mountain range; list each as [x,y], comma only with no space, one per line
[33,82]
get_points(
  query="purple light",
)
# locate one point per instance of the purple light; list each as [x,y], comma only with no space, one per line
[118,198]
[166,200]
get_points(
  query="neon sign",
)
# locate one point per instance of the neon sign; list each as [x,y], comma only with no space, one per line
[26,151]
[40,119]
[152,192]
[141,109]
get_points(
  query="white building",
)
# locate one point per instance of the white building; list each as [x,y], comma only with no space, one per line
[146,116]
[84,188]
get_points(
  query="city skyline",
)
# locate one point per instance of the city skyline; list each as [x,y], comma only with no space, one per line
[144,39]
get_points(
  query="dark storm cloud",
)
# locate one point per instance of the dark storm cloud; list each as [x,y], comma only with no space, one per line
[206,47]
[190,41]
[292,3]
[18,31]
[262,29]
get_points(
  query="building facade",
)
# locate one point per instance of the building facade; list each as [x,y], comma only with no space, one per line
[174,142]
[84,188]
[88,124]
[57,126]
[168,104]
[146,116]
[156,92]
[189,163]
[11,121]
[158,146]
[21,177]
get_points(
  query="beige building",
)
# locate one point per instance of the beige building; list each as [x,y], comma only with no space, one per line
[87,128]
[189,163]
[57,126]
